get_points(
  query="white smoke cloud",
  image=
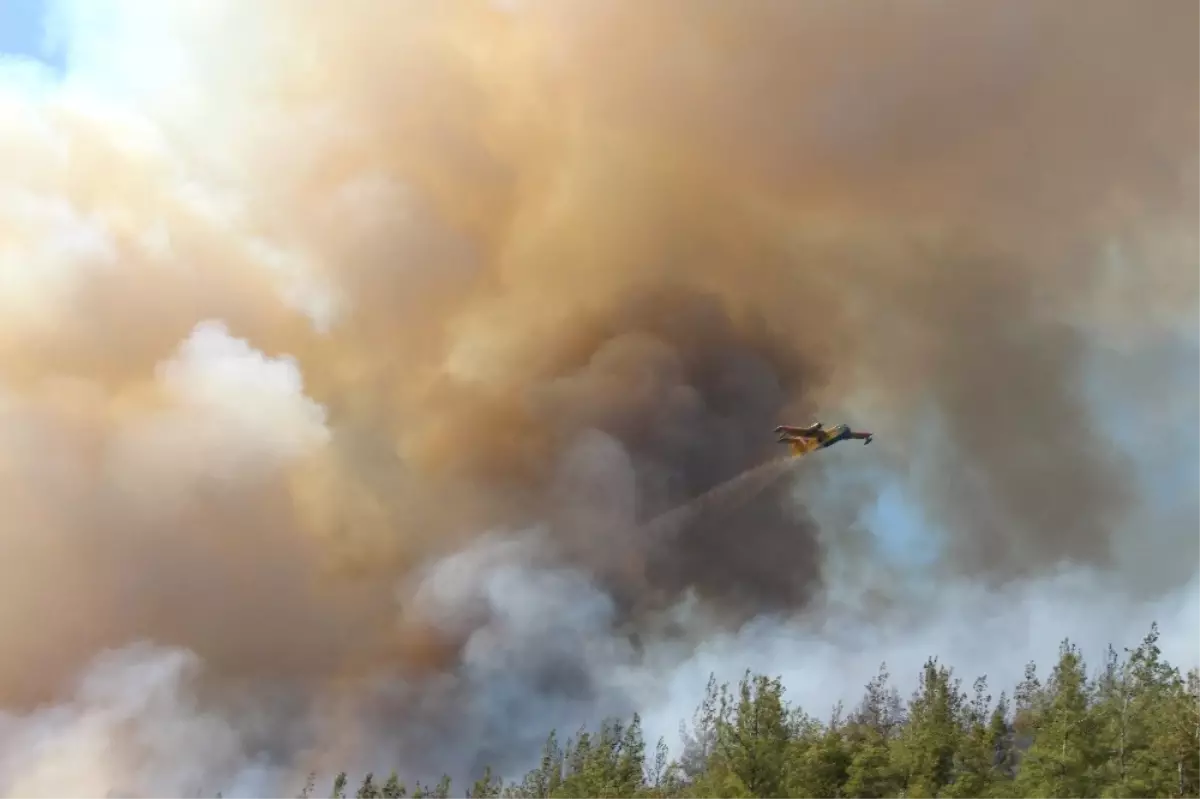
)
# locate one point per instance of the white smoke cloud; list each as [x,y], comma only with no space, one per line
[130,718]
[234,416]
[242,395]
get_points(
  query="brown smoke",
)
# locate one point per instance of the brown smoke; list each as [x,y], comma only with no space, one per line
[574,261]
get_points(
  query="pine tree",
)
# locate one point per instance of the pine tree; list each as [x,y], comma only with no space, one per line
[486,787]
[1185,735]
[761,735]
[393,788]
[819,756]
[368,789]
[1029,701]
[309,784]
[700,740]
[973,762]
[1111,707]
[1061,759]
[439,791]
[1001,740]
[925,751]
[544,780]
[1158,753]
[869,737]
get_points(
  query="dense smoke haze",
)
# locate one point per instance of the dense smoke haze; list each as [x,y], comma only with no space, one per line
[351,355]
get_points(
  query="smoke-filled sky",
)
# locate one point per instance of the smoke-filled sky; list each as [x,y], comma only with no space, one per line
[350,356]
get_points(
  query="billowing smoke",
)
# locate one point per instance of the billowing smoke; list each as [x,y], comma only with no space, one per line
[348,355]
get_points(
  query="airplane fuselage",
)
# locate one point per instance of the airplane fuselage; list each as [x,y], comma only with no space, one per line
[815,436]
[827,438]
[835,434]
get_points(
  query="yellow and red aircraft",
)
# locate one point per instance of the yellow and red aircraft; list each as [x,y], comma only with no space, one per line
[804,440]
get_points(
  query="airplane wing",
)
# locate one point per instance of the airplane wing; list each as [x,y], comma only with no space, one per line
[811,431]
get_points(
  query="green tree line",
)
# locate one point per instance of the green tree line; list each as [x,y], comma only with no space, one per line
[1130,728]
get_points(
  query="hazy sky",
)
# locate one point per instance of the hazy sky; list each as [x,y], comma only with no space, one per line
[21,27]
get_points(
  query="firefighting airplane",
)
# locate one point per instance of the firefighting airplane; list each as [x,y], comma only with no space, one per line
[804,440]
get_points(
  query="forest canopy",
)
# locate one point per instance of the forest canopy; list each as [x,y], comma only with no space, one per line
[1128,726]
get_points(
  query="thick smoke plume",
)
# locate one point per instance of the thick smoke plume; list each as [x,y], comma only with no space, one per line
[348,353]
